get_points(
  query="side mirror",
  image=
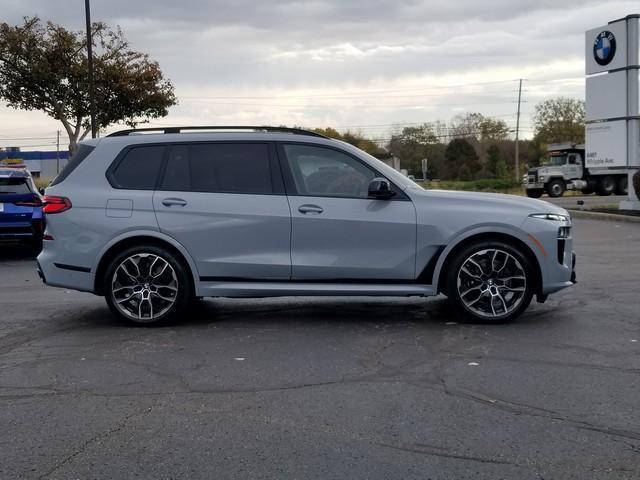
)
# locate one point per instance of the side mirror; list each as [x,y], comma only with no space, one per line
[380,188]
[41,191]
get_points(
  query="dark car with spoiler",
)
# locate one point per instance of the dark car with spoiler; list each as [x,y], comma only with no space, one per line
[21,212]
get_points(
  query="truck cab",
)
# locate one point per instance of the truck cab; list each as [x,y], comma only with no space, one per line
[564,169]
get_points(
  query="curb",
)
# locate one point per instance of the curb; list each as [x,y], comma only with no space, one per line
[611,217]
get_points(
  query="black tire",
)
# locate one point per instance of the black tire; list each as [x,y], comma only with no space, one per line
[455,283]
[178,276]
[534,192]
[556,188]
[606,185]
[622,186]
[587,191]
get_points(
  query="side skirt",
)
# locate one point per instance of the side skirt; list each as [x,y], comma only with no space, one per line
[285,289]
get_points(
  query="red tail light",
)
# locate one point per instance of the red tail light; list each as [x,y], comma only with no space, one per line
[29,203]
[55,204]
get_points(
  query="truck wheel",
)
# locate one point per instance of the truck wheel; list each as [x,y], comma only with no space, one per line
[606,185]
[490,281]
[534,192]
[622,186]
[556,188]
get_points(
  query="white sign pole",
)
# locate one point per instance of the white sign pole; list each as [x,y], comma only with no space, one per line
[612,54]
[633,111]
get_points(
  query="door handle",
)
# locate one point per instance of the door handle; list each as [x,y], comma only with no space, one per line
[310,209]
[169,202]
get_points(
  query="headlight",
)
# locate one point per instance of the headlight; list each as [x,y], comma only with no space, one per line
[541,177]
[555,217]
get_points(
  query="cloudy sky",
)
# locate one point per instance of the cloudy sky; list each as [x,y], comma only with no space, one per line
[365,65]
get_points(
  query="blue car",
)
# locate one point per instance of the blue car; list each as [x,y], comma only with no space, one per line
[21,216]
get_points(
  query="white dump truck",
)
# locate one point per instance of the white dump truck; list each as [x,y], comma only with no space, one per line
[564,169]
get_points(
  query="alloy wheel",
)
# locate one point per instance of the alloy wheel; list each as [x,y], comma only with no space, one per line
[144,287]
[491,283]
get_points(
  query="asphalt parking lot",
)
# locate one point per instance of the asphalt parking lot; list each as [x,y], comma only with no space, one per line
[327,388]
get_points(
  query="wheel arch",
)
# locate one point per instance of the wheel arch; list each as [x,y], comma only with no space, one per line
[449,253]
[131,239]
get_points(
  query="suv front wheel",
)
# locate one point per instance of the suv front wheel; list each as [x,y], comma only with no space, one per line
[490,282]
[147,285]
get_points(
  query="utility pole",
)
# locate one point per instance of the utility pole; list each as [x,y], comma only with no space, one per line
[58,152]
[92,94]
[518,133]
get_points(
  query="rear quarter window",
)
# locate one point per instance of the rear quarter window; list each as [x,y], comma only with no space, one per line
[82,153]
[138,168]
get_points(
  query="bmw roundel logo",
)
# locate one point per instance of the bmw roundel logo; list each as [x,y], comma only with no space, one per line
[604,48]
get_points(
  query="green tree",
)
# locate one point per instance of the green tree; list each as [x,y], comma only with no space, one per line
[493,130]
[536,151]
[44,67]
[460,152]
[412,144]
[559,120]
[477,126]
[354,138]
[495,166]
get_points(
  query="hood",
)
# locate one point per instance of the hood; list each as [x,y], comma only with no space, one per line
[489,200]
[545,168]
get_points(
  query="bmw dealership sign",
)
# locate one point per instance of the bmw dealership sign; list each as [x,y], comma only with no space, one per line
[607,96]
[612,66]
[606,48]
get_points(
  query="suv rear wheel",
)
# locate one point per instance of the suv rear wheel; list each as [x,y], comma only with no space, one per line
[147,285]
[490,282]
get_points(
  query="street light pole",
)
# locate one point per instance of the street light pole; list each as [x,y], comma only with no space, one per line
[92,96]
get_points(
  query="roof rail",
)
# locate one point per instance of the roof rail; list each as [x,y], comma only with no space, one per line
[297,131]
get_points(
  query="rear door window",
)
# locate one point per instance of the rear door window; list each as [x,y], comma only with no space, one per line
[220,168]
[138,169]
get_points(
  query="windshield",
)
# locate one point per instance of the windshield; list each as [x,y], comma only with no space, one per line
[14,186]
[556,160]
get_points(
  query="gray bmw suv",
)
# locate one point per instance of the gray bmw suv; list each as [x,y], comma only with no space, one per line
[153,219]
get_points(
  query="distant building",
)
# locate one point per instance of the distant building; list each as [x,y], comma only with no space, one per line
[45,164]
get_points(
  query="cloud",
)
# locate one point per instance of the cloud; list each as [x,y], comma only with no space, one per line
[316,62]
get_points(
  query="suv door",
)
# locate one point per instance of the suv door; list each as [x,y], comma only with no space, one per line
[225,203]
[338,232]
